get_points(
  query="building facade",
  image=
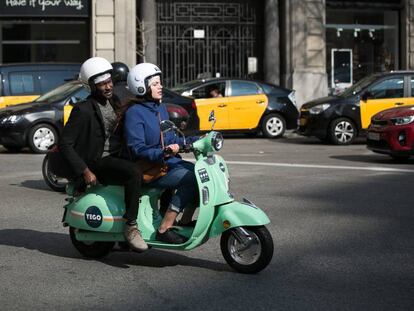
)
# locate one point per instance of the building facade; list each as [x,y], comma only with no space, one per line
[316,47]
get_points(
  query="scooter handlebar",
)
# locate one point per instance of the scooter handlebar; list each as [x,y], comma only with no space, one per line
[187,148]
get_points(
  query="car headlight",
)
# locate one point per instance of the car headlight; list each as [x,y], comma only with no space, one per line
[11,119]
[319,108]
[292,98]
[217,141]
[402,120]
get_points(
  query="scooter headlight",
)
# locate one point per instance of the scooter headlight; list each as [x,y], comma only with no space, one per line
[217,141]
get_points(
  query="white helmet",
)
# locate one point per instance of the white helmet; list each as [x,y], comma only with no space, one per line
[93,67]
[138,77]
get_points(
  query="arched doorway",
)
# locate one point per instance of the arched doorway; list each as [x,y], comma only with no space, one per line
[207,39]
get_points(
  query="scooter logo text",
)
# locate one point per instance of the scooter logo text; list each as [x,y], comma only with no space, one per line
[93,216]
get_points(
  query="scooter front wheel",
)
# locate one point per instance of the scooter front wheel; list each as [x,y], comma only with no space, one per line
[247,249]
[92,249]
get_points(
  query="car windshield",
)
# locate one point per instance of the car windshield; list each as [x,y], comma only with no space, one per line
[359,86]
[60,92]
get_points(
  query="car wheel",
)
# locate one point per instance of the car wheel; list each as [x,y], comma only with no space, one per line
[273,125]
[342,131]
[11,148]
[41,137]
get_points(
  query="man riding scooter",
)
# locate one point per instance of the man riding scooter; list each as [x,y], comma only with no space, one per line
[90,144]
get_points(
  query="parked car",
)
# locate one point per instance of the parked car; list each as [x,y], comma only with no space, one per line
[392,132]
[37,125]
[23,83]
[191,123]
[243,105]
[340,119]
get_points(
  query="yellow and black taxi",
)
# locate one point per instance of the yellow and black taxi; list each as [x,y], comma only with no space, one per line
[340,119]
[23,83]
[243,105]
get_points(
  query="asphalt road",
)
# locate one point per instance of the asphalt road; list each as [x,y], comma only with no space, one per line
[341,219]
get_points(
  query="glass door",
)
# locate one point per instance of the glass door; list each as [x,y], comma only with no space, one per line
[341,75]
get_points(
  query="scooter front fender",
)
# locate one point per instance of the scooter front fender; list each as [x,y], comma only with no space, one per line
[236,214]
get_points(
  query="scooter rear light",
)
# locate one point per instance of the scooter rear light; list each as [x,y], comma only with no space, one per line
[193,105]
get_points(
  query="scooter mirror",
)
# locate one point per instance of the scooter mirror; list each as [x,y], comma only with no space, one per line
[212,118]
[167,125]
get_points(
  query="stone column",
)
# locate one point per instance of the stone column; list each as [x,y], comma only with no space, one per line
[307,48]
[148,19]
[285,44]
[103,31]
[125,32]
[271,61]
[407,29]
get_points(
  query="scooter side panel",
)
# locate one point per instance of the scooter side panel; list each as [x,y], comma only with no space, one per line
[100,209]
[237,214]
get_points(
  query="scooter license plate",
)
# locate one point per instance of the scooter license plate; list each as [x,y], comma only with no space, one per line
[373,136]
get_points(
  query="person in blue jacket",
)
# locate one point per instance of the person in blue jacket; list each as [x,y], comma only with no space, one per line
[142,134]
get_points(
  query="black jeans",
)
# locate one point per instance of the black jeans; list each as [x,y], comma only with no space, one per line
[116,171]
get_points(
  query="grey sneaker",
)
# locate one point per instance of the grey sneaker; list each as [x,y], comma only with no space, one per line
[134,239]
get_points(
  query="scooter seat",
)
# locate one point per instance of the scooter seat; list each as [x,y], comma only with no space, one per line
[71,189]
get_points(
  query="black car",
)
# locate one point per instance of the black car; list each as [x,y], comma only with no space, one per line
[38,124]
[24,82]
[175,103]
[341,118]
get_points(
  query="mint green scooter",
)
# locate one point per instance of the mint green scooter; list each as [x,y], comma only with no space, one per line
[95,219]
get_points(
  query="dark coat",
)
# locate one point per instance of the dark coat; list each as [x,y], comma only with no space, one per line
[83,138]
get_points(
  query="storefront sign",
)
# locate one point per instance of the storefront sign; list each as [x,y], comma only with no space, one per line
[251,65]
[199,33]
[46,8]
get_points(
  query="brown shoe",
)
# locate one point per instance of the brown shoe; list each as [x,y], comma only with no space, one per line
[134,239]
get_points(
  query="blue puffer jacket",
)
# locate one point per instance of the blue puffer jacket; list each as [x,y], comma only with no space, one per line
[142,133]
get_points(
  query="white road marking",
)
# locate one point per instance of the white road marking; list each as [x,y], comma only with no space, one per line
[336,167]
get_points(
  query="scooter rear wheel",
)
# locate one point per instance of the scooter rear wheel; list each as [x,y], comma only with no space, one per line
[93,249]
[244,254]
[54,182]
